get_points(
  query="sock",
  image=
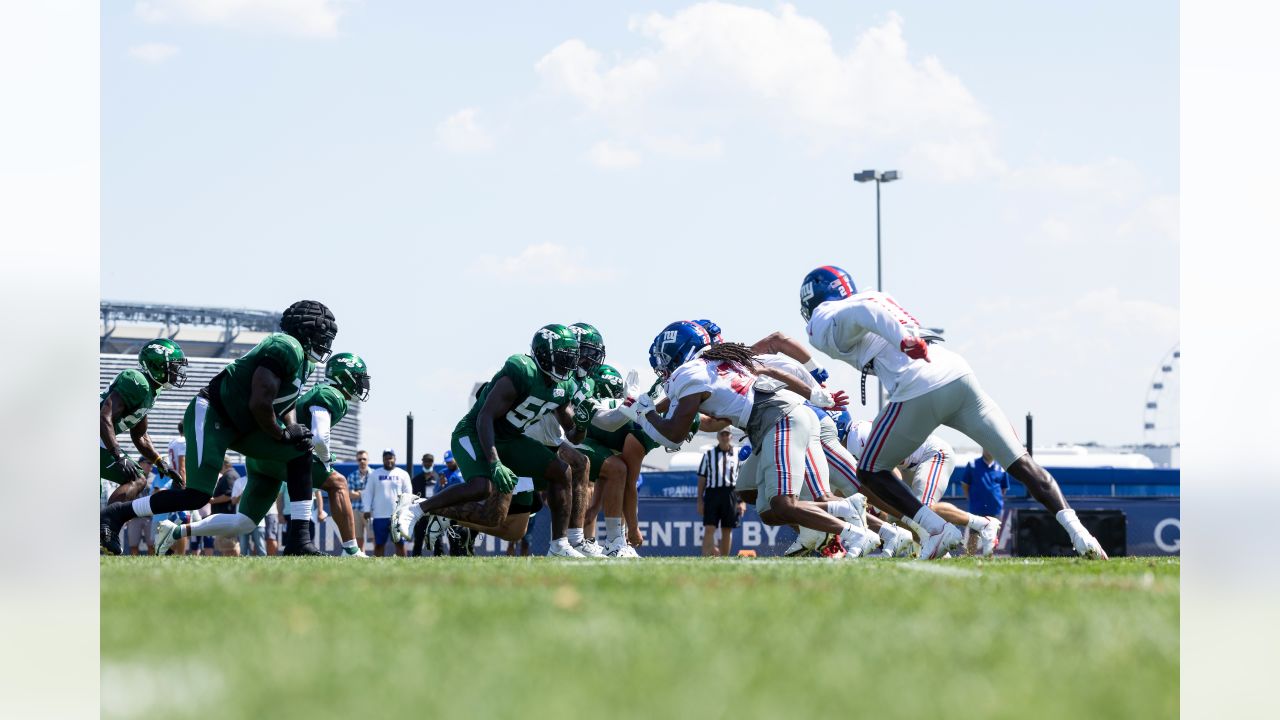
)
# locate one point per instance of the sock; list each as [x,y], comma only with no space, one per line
[1067,518]
[300,510]
[575,536]
[929,520]
[613,529]
[142,506]
[221,525]
[977,522]
[350,547]
[841,509]
[560,543]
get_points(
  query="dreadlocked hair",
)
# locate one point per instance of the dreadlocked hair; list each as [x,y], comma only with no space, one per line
[731,352]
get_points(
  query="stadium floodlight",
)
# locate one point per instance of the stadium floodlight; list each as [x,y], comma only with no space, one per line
[879,177]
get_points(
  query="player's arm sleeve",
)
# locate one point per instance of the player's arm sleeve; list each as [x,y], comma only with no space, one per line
[875,316]
[609,419]
[320,431]
[648,429]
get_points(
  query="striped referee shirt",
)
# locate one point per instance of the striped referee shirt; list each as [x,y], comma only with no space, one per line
[720,467]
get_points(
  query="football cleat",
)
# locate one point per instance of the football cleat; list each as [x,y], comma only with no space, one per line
[590,548]
[353,552]
[404,517]
[833,549]
[989,538]
[858,541]
[1088,547]
[438,525]
[563,551]
[941,543]
[109,526]
[165,536]
[620,550]
[807,540]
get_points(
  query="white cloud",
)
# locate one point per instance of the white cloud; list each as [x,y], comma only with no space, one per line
[713,64]
[613,156]
[308,18]
[460,133]
[153,52]
[544,264]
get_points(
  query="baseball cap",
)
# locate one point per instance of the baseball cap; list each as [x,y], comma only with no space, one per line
[448,455]
[389,451]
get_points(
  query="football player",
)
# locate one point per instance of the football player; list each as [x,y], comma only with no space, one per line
[346,379]
[494,454]
[249,407]
[123,407]
[928,386]
[724,382]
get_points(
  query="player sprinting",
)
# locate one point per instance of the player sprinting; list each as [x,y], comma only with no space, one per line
[874,334]
[123,407]
[929,469]
[248,407]
[493,452]
[346,379]
[722,381]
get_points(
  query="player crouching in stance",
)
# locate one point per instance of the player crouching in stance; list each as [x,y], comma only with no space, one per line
[346,379]
[124,405]
[494,454]
[249,407]
[721,381]
[874,334]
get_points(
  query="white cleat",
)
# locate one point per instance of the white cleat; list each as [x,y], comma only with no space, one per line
[563,551]
[437,525]
[590,548]
[1088,547]
[989,538]
[165,536]
[353,552]
[902,544]
[808,541]
[620,550]
[939,544]
[404,517]
[859,542]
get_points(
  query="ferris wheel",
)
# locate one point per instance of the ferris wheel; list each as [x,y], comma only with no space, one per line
[1160,416]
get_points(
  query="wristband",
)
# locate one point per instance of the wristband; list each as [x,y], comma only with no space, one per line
[811,365]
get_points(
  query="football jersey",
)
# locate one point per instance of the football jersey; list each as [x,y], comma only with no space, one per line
[731,387]
[177,449]
[786,363]
[281,354]
[536,395]
[135,394]
[871,326]
[861,432]
[547,429]
[325,396]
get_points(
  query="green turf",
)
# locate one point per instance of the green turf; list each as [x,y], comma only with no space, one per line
[532,638]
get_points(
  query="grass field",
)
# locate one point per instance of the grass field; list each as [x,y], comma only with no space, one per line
[532,638]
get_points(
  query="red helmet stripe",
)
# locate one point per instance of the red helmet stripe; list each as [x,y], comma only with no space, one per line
[840,274]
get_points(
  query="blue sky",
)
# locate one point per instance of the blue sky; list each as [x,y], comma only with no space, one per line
[449,178]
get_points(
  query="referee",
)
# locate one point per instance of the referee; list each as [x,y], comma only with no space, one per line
[717,502]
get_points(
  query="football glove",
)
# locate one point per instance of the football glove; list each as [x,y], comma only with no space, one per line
[820,374]
[297,435]
[503,479]
[162,467]
[128,467]
[639,408]
[826,400]
[915,348]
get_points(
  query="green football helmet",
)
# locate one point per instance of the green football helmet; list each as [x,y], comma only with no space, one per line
[349,374]
[591,344]
[555,351]
[609,383]
[164,363]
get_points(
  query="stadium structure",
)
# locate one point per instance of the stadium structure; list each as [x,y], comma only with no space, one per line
[211,338]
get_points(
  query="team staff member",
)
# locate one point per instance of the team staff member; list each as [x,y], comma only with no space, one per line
[717,502]
[356,483]
[385,485]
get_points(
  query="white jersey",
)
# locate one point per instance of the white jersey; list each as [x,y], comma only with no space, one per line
[861,432]
[785,363]
[732,388]
[871,326]
[177,449]
[546,430]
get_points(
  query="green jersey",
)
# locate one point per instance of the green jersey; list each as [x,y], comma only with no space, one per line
[536,395]
[133,389]
[277,352]
[325,396]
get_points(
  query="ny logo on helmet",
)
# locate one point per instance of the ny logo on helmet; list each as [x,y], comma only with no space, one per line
[806,292]
[668,336]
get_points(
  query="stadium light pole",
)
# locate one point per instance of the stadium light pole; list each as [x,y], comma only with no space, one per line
[879,177]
